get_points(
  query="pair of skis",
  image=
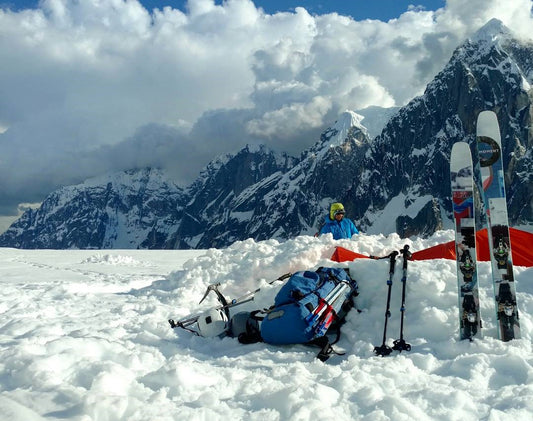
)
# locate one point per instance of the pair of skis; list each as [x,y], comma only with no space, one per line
[490,167]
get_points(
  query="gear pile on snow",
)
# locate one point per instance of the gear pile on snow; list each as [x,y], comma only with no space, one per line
[309,305]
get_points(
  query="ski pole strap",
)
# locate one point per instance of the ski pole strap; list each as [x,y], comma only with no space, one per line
[174,324]
[388,256]
[391,256]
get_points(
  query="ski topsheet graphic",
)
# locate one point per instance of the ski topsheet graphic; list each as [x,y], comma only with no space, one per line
[462,184]
[492,178]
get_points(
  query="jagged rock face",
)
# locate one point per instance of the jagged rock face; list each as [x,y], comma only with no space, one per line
[224,199]
[127,210]
[425,223]
[286,202]
[398,182]
[517,138]
[411,156]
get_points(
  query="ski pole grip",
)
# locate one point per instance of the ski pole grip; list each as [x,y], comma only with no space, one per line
[392,258]
[406,255]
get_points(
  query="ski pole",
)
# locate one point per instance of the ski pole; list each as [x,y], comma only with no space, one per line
[400,344]
[384,349]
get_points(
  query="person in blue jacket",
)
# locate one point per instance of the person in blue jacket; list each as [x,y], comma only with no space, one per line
[337,224]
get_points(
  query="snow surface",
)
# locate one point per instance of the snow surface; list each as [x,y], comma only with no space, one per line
[84,336]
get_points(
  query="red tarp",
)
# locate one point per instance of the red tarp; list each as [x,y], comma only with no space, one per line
[344,255]
[440,251]
[521,242]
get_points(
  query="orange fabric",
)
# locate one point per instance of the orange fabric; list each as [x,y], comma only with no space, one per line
[521,243]
[344,255]
[440,251]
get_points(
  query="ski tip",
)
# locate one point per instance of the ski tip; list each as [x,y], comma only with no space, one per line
[486,115]
[487,124]
[460,147]
[460,157]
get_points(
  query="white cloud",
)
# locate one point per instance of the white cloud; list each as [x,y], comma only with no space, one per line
[290,119]
[80,78]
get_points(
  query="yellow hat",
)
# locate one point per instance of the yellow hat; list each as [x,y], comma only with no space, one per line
[335,209]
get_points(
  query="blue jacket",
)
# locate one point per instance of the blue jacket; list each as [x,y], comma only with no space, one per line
[343,229]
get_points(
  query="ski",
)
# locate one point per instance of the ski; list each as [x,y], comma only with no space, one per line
[495,204]
[462,186]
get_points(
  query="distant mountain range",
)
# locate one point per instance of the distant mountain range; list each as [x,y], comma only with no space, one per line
[397,181]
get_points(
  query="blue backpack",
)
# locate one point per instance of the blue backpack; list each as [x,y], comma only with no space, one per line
[307,306]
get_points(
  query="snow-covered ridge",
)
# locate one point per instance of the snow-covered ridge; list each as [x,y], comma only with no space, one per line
[493,31]
[119,210]
[347,127]
[349,120]
[375,118]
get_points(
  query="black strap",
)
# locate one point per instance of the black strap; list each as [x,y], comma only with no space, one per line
[325,348]
[174,324]
[337,329]
[253,332]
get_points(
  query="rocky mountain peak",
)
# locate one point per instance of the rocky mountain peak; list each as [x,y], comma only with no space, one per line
[494,31]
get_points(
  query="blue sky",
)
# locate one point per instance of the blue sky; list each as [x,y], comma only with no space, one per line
[94,86]
[358,9]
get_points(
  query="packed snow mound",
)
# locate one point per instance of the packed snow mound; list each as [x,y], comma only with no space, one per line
[111,259]
[91,341]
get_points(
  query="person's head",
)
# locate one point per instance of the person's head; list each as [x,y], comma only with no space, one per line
[336,211]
